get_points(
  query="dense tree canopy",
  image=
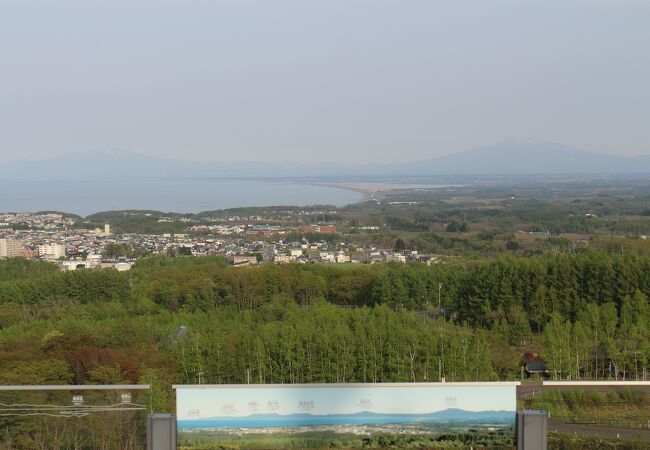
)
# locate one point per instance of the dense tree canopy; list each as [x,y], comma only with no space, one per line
[295,323]
[195,320]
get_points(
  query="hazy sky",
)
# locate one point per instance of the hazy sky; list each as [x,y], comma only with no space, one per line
[321,80]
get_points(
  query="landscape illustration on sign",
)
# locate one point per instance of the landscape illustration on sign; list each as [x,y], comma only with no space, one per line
[241,416]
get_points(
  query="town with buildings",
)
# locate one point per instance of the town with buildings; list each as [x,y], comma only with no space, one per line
[242,240]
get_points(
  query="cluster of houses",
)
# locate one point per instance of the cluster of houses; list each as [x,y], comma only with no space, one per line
[53,237]
[43,221]
[259,230]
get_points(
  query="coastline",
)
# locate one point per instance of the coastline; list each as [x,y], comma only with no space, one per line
[372,190]
[180,196]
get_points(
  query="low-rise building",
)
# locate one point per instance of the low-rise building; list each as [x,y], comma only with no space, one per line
[327,257]
[244,260]
[324,229]
[283,259]
[342,258]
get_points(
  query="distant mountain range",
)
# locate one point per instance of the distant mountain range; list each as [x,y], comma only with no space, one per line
[360,418]
[520,157]
[509,157]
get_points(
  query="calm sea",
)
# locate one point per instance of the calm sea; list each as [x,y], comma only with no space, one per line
[296,420]
[169,195]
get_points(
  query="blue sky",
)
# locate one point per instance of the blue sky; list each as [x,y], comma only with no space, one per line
[318,80]
[243,401]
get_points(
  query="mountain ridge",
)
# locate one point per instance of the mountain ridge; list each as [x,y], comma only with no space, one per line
[450,413]
[508,157]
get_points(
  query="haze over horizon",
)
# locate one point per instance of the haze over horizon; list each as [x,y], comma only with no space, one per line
[353,81]
[509,141]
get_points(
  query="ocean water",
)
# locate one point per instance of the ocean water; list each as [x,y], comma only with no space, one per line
[280,421]
[169,195]
[297,420]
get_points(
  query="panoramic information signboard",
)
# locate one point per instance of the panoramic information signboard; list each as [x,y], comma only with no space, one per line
[314,415]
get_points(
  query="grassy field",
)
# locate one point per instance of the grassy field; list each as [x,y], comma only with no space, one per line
[564,442]
[625,408]
[317,440]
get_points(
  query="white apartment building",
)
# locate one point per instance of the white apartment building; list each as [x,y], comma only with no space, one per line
[10,248]
[53,251]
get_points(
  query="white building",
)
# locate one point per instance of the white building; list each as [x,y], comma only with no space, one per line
[10,248]
[342,258]
[51,251]
[120,266]
[283,259]
[72,265]
[327,257]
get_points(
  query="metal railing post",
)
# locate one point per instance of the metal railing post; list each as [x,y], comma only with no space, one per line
[532,430]
[161,432]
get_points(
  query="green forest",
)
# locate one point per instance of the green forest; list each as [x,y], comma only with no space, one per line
[196,320]
[178,319]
